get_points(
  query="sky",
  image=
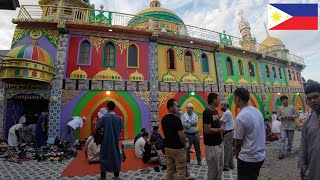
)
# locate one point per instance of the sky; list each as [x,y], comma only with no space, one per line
[216,15]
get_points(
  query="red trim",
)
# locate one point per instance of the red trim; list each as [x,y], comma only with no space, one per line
[298,23]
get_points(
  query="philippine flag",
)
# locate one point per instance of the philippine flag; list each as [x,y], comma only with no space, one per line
[293,16]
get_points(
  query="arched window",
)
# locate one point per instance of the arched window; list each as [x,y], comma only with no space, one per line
[274,72]
[25,73]
[294,75]
[298,76]
[170,58]
[189,63]
[229,67]
[34,74]
[17,72]
[289,73]
[109,55]
[251,69]
[267,71]
[205,65]
[241,72]
[280,73]
[84,53]
[133,56]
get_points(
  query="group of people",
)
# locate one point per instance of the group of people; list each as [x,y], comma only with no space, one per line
[37,132]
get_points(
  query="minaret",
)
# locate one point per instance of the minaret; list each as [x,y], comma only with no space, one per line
[248,42]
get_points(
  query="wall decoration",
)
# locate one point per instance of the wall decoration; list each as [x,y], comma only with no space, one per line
[97,41]
[174,86]
[196,54]
[123,44]
[119,85]
[52,36]
[68,95]
[145,96]
[19,33]
[179,51]
[163,96]
[143,86]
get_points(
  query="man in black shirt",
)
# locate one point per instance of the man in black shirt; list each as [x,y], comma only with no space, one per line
[213,132]
[174,142]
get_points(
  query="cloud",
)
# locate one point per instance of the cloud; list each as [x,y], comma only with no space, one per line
[216,15]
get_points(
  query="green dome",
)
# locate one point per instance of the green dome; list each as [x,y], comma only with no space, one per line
[156,12]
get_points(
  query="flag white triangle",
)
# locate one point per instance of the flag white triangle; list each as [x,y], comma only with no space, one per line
[276,16]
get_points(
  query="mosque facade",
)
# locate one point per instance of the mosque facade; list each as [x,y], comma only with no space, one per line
[71,58]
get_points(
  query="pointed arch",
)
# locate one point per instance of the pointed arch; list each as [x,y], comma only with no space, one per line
[289,73]
[280,73]
[267,71]
[251,69]
[84,53]
[109,55]
[133,56]
[204,63]
[170,59]
[229,66]
[241,71]
[188,61]
[274,72]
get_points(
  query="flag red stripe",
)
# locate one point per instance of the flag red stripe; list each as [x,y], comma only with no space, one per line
[298,23]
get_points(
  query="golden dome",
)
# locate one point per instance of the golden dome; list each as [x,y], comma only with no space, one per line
[254,83]
[190,79]
[229,81]
[208,80]
[79,74]
[276,84]
[108,75]
[269,42]
[284,85]
[243,82]
[169,78]
[268,83]
[136,76]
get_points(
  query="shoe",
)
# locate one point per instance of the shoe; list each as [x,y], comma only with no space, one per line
[231,166]
[281,156]
[164,168]
[226,169]
[157,169]
[191,176]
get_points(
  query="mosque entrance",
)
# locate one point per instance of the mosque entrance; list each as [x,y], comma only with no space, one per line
[32,104]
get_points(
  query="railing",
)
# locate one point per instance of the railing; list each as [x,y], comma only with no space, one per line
[109,18]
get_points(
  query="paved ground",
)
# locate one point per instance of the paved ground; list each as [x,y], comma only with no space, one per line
[273,169]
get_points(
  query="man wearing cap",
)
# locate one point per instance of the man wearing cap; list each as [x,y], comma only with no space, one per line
[76,122]
[190,126]
[227,119]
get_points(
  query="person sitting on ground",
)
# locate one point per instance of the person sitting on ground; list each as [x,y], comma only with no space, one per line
[276,125]
[92,150]
[139,145]
[157,136]
[23,118]
[150,154]
[143,130]
[12,135]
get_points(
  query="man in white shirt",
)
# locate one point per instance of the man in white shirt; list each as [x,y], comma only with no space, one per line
[227,119]
[139,145]
[190,126]
[249,137]
[70,134]
[12,136]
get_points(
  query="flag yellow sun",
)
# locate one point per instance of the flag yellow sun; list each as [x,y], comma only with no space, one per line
[276,16]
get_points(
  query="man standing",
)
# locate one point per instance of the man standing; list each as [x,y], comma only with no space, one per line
[227,119]
[309,150]
[249,137]
[190,125]
[212,133]
[41,134]
[110,159]
[70,134]
[174,142]
[286,114]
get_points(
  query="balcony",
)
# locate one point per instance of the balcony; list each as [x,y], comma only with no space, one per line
[73,15]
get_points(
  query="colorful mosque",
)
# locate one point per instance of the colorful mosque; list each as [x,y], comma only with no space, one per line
[72,59]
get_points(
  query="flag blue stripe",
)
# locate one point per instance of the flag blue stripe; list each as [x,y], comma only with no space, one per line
[298,9]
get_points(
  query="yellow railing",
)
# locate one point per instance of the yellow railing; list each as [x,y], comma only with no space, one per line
[109,18]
